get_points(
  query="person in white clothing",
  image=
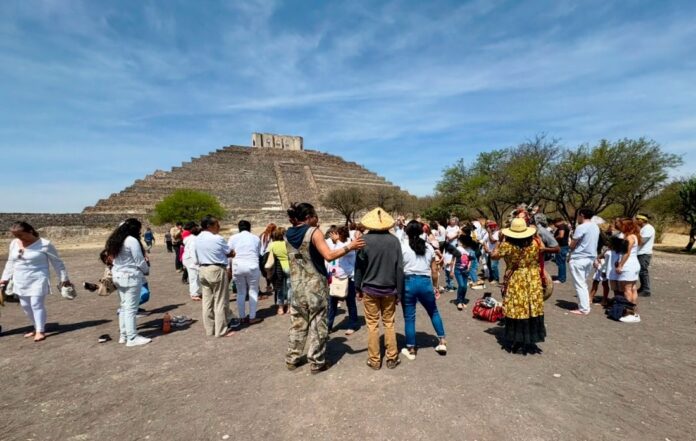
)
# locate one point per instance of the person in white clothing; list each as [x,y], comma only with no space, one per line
[245,270]
[130,266]
[584,252]
[343,268]
[647,236]
[451,235]
[28,267]
[628,268]
[190,261]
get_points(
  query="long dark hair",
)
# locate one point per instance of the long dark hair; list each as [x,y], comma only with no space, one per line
[25,227]
[413,230]
[130,227]
[300,212]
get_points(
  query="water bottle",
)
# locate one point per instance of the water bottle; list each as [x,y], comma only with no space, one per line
[166,323]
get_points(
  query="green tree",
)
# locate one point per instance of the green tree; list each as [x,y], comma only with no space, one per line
[687,194]
[643,172]
[346,201]
[185,206]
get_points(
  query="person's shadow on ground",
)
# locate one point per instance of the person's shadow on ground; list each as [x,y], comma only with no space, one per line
[565,304]
[499,333]
[423,340]
[153,328]
[166,308]
[54,328]
[336,348]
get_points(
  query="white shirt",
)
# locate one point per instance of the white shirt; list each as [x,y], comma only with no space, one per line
[647,235]
[343,266]
[130,259]
[417,265]
[452,233]
[587,235]
[492,240]
[189,258]
[29,272]
[441,233]
[246,247]
[400,234]
[211,249]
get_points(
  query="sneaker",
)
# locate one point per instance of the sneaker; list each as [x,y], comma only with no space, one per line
[392,364]
[122,339]
[460,306]
[557,281]
[234,323]
[91,287]
[441,349]
[138,340]
[633,318]
[408,354]
[478,286]
[315,369]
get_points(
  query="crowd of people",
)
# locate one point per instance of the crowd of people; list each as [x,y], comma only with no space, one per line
[381,262]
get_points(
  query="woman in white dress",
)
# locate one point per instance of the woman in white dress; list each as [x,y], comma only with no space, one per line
[27,266]
[628,267]
[190,260]
[131,266]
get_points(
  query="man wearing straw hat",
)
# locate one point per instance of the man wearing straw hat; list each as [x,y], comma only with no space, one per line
[647,235]
[379,279]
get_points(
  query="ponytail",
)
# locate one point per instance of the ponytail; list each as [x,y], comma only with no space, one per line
[413,230]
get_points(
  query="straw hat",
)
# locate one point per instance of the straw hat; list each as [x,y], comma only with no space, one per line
[377,220]
[519,229]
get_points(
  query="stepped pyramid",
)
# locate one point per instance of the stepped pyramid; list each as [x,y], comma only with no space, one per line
[256,183]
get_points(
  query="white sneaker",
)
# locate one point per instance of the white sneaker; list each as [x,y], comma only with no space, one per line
[441,349]
[408,354]
[138,340]
[634,318]
[122,339]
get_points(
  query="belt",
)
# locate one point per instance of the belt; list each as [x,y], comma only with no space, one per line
[221,265]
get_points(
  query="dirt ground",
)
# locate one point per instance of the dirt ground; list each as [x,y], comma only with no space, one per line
[596,379]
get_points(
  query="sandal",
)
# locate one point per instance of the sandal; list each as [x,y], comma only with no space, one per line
[375,367]
[391,364]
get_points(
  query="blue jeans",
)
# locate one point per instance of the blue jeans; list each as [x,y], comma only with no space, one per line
[448,278]
[129,288]
[350,304]
[419,289]
[494,268]
[282,289]
[473,270]
[461,275]
[561,257]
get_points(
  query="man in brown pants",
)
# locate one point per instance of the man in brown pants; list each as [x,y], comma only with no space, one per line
[379,279]
[212,252]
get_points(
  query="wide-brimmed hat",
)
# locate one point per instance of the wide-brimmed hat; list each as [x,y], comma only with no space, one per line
[377,220]
[519,229]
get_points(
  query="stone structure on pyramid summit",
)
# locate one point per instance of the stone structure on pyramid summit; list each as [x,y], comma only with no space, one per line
[256,183]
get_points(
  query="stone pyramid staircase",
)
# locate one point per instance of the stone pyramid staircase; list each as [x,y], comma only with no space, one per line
[253,183]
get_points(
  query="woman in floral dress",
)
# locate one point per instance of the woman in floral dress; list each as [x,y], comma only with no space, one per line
[524,301]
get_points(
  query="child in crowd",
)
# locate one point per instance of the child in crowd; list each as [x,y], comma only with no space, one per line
[461,268]
[601,264]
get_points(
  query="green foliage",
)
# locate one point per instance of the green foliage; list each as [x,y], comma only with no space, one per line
[687,196]
[185,206]
[610,176]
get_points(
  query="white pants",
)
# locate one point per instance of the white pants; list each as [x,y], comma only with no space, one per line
[246,277]
[35,309]
[581,269]
[194,281]
[129,287]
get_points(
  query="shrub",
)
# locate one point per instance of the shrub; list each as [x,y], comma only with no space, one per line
[185,206]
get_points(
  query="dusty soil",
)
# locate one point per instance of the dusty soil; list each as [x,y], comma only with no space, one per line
[596,379]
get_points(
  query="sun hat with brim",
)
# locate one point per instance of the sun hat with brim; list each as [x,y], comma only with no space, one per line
[642,217]
[377,220]
[519,229]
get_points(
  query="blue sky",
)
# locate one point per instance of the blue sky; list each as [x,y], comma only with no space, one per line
[97,94]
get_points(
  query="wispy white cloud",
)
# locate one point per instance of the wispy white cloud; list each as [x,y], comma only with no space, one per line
[372,82]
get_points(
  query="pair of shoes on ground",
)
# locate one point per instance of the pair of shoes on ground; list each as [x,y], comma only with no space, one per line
[631,318]
[138,340]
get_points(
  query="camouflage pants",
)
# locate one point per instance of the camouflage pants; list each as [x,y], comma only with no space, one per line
[308,322]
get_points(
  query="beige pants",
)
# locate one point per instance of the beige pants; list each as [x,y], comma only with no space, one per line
[374,307]
[216,300]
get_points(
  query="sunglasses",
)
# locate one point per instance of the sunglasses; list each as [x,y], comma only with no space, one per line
[20,254]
